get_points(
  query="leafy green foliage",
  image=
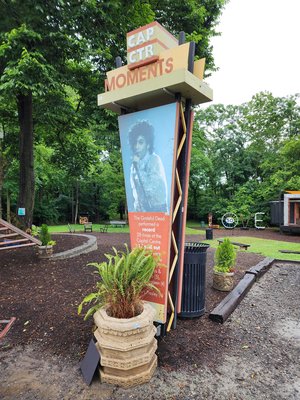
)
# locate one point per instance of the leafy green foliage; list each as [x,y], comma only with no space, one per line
[57,54]
[123,280]
[44,235]
[197,18]
[225,257]
[245,156]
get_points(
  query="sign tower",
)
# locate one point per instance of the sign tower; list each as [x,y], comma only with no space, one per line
[154,95]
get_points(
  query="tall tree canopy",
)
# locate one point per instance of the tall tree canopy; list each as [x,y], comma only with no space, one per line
[53,59]
[248,155]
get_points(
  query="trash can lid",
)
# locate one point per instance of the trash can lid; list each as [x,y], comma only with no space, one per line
[195,247]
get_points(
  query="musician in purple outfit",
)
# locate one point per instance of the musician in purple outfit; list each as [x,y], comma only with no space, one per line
[147,174]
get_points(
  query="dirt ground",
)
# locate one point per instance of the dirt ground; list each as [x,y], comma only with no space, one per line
[39,356]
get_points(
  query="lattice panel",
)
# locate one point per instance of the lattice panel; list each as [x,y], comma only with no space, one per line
[182,134]
[12,237]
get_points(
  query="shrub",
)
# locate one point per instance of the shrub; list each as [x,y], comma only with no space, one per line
[44,236]
[225,257]
[123,280]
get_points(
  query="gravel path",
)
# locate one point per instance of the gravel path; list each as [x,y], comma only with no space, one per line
[262,362]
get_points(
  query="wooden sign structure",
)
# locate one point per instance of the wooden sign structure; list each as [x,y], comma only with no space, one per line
[160,71]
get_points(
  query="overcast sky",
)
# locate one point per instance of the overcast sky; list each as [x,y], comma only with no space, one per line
[258,50]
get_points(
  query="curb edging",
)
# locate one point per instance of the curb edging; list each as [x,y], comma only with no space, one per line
[233,299]
[90,245]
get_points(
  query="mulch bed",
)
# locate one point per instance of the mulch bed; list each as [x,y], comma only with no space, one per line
[44,294]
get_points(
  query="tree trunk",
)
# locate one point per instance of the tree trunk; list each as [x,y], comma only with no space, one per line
[77,202]
[1,180]
[96,197]
[1,216]
[8,218]
[72,204]
[26,177]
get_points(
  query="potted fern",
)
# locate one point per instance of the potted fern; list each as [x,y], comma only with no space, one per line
[125,333]
[46,249]
[223,274]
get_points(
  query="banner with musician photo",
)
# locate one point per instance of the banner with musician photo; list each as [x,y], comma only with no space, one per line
[148,142]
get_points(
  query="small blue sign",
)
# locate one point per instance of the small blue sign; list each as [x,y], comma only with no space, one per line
[21,211]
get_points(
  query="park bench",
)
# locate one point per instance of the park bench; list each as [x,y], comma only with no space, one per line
[103,228]
[240,245]
[88,226]
[289,251]
[116,224]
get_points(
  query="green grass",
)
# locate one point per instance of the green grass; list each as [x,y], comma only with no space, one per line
[267,248]
[79,229]
[196,225]
[191,231]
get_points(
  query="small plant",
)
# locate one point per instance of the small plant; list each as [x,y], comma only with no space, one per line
[123,280]
[225,257]
[44,236]
[34,231]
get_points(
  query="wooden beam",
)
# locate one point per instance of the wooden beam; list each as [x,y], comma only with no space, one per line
[231,301]
[18,245]
[22,233]
[8,235]
[261,268]
[9,242]
[8,326]
[229,304]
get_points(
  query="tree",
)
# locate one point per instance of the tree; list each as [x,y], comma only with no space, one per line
[33,39]
[201,172]
[48,47]
[198,18]
[228,147]
[287,177]
[254,154]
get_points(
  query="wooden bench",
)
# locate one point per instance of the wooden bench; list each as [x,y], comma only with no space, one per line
[289,251]
[103,228]
[240,245]
[116,224]
[88,226]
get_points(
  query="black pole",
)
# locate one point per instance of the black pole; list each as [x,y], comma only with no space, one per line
[191,57]
[118,61]
[181,39]
[182,166]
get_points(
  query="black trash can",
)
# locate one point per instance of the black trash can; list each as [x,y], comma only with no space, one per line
[209,234]
[193,285]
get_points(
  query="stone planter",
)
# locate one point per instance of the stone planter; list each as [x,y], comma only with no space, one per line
[45,251]
[223,281]
[127,347]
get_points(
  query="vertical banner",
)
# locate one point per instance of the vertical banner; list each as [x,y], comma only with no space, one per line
[148,141]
